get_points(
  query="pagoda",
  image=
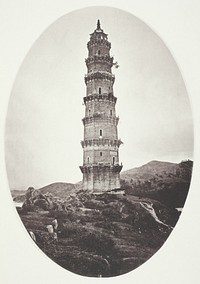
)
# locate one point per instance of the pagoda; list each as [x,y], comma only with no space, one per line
[101,168]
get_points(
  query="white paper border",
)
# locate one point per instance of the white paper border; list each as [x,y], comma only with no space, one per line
[177,22]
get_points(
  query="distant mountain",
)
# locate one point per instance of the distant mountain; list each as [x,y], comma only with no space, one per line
[60,189]
[166,182]
[17,192]
[149,170]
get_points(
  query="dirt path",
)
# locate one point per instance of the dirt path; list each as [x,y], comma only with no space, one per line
[150,209]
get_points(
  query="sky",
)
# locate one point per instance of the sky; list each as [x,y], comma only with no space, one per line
[43,125]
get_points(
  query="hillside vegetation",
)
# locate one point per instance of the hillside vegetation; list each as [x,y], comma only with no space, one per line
[167,182]
[107,235]
[99,235]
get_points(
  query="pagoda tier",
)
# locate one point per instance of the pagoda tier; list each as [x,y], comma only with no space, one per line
[105,59]
[98,42]
[100,75]
[101,167]
[100,117]
[101,142]
[98,97]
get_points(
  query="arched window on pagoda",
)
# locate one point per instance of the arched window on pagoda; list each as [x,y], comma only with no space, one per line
[100,133]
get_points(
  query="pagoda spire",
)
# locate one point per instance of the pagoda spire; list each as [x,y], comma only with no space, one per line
[98,25]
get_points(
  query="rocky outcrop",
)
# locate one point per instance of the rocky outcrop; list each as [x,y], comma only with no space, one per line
[35,199]
[105,234]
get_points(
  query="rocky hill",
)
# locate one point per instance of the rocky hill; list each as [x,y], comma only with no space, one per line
[98,235]
[59,189]
[163,181]
[108,234]
[17,192]
[149,170]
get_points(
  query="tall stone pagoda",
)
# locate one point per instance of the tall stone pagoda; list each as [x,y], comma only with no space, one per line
[101,168]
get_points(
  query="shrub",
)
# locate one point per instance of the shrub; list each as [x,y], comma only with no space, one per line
[96,242]
[106,225]
[130,219]
[71,230]
[83,264]
[94,204]
[111,214]
[58,214]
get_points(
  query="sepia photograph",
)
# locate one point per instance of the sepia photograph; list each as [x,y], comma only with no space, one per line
[99,142]
[94,208]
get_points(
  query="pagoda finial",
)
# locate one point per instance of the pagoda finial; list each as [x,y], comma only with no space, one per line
[98,25]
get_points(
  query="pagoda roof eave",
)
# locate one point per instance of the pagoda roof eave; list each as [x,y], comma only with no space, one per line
[100,32]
